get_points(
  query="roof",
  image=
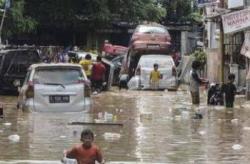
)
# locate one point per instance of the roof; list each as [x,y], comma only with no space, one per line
[33,66]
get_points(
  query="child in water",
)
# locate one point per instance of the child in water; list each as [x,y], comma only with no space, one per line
[87,152]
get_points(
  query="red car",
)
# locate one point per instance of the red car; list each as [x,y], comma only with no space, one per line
[150,38]
[110,51]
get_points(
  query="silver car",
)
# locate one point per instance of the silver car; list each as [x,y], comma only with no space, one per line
[55,88]
[166,67]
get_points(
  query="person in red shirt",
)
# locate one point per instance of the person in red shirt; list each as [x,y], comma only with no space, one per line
[87,152]
[98,74]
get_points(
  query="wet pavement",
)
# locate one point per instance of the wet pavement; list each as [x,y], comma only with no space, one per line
[158,127]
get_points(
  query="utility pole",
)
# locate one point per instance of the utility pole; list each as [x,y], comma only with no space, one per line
[222,48]
[1,25]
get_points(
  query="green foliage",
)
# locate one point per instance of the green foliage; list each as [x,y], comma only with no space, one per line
[200,56]
[181,10]
[26,16]
[16,22]
[195,17]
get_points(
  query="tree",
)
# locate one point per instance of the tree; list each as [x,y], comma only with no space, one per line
[28,16]
[181,11]
[16,22]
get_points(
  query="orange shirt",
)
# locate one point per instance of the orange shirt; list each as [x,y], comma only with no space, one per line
[85,156]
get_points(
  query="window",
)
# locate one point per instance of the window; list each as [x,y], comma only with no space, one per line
[59,75]
[151,29]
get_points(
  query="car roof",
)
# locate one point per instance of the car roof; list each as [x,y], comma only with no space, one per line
[151,25]
[34,66]
[156,56]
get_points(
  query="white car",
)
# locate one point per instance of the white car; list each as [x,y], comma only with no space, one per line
[166,67]
[58,87]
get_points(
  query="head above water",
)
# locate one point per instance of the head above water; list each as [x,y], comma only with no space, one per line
[88,57]
[156,66]
[87,137]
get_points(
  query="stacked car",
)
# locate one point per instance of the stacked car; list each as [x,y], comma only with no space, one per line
[149,43]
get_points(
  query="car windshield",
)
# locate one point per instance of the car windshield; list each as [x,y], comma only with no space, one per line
[151,29]
[162,61]
[57,75]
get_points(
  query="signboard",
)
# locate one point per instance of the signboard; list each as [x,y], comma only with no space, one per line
[203,3]
[236,21]
[235,4]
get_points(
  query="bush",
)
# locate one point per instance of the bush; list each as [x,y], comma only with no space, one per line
[200,56]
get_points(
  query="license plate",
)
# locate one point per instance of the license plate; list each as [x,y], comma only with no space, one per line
[59,99]
[153,46]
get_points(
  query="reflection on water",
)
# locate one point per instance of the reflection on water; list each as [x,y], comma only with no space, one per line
[157,128]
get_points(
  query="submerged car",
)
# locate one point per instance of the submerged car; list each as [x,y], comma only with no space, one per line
[166,67]
[55,88]
[14,64]
[150,38]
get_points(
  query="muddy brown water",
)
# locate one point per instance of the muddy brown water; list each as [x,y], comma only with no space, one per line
[157,128]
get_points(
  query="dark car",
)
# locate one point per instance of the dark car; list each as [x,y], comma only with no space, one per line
[14,64]
[150,38]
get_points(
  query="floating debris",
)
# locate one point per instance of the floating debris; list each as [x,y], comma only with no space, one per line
[198,116]
[69,161]
[7,124]
[235,121]
[95,93]
[237,147]
[14,138]
[185,114]
[178,117]
[63,137]
[202,132]
[112,136]
[246,128]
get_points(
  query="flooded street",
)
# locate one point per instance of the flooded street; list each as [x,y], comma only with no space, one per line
[158,127]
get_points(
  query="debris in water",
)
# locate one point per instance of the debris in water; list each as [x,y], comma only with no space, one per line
[69,161]
[95,93]
[246,128]
[108,116]
[202,132]
[235,121]
[7,124]
[62,136]
[198,116]
[185,114]
[14,138]
[237,147]
[112,136]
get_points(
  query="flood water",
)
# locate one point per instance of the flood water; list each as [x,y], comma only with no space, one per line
[158,127]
